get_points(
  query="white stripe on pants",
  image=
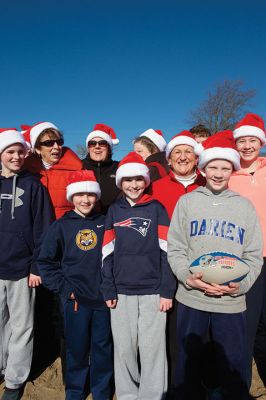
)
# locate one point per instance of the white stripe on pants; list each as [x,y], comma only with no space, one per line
[16,330]
[137,323]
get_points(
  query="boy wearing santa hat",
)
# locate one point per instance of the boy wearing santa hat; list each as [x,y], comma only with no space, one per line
[70,265]
[138,284]
[212,219]
[25,213]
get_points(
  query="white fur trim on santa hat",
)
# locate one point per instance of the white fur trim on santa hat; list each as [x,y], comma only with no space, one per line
[38,129]
[182,139]
[10,137]
[156,138]
[129,170]
[83,187]
[219,153]
[249,130]
[102,135]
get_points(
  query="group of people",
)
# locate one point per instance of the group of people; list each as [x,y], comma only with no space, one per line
[115,242]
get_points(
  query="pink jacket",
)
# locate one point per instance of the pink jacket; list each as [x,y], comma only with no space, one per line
[253,187]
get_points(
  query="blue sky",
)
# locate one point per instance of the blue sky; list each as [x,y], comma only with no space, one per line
[133,65]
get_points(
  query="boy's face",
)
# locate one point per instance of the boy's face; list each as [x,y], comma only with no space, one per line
[84,203]
[218,173]
[12,159]
[133,187]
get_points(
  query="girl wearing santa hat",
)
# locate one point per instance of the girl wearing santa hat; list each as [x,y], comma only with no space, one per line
[150,145]
[249,181]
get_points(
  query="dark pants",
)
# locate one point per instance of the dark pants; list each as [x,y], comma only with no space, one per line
[256,321]
[89,352]
[228,332]
[256,325]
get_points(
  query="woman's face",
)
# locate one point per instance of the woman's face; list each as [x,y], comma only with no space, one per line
[183,160]
[142,150]
[50,149]
[98,149]
[249,149]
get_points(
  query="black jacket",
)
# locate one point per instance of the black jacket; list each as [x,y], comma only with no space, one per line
[105,174]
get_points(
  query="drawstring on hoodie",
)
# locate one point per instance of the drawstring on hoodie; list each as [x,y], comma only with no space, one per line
[13,197]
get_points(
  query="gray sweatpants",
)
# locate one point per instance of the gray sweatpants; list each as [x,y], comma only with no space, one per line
[16,330]
[137,324]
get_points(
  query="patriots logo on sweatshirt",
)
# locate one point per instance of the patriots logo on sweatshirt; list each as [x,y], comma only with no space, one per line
[139,224]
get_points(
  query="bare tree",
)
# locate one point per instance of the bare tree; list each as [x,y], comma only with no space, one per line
[81,151]
[224,106]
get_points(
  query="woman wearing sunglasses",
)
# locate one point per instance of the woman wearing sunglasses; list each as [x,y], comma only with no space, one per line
[99,145]
[52,162]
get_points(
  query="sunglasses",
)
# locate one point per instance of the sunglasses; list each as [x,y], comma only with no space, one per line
[101,143]
[50,143]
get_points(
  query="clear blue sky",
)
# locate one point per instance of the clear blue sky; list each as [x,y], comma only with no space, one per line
[130,64]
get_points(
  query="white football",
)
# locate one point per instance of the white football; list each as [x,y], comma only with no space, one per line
[219,267]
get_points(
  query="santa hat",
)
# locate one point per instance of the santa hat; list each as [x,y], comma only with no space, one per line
[184,137]
[10,136]
[26,134]
[104,132]
[132,165]
[220,146]
[37,129]
[250,125]
[156,136]
[83,181]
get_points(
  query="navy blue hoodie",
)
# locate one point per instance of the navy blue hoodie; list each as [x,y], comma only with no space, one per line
[25,213]
[70,258]
[135,250]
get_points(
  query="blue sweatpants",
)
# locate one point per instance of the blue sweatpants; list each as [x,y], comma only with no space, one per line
[228,332]
[89,352]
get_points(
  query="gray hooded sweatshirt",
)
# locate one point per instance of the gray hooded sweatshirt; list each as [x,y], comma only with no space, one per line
[205,222]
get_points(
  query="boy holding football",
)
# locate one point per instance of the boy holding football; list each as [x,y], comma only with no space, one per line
[213,219]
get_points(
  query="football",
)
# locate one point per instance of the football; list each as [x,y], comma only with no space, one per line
[219,267]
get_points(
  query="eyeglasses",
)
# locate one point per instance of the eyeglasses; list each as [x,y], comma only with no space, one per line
[51,142]
[94,143]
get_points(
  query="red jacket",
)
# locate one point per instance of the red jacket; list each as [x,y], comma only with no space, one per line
[168,190]
[55,179]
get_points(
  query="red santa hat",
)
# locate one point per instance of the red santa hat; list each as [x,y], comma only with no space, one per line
[83,181]
[156,136]
[132,165]
[184,137]
[37,129]
[220,146]
[104,132]
[250,125]
[26,134]
[10,136]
